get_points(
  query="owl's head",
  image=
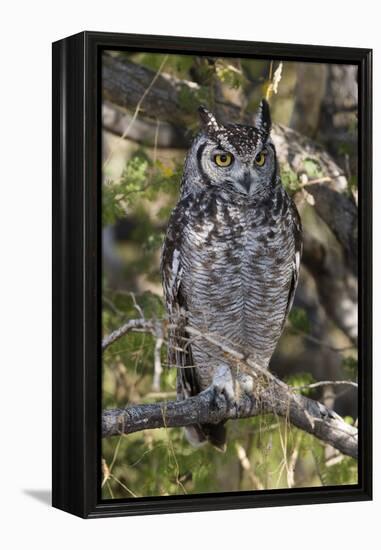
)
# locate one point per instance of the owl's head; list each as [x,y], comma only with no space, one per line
[235,157]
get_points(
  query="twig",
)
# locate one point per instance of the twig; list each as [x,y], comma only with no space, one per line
[333,460]
[271,396]
[207,408]
[305,181]
[158,369]
[113,307]
[244,362]
[136,305]
[245,463]
[149,325]
[106,473]
[293,460]
[131,493]
[327,383]
[131,325]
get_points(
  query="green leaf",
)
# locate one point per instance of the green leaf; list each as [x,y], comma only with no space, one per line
[229,75]
[289,178]
[301,379]
[299,319]
[312,168]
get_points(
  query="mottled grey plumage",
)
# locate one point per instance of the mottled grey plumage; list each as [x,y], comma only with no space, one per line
[230,260]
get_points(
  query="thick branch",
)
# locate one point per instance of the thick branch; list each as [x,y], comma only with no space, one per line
[270,395]
[125,83]
[144,130]
[208,407]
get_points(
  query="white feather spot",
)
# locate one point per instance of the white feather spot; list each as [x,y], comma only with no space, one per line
[297,261]
[175,261]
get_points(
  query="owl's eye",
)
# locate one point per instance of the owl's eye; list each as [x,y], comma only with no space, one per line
[260,159]
[223,159]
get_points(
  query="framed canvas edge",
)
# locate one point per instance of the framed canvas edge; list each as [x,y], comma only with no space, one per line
[76,300]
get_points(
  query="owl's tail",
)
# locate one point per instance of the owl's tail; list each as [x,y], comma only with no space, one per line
[199,434]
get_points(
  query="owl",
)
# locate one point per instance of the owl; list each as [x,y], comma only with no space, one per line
[230,260]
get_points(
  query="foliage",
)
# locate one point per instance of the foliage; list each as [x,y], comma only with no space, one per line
[229,74]
[300,380]
[289,179]
[142,179]
[189,100]
[299,320]
[312,168]
[161,462]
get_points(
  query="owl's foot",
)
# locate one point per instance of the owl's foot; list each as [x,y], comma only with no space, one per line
[328,413]
[234,394]
[245,389]
[223,387]
[223,382]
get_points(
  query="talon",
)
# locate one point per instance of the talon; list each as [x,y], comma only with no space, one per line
[219,398]
[327,413]
[246,383]
[223,385]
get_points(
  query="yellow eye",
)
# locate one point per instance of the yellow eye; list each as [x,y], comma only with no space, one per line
[223,159]
[260,159]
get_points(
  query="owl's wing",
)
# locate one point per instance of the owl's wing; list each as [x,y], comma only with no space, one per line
[179,350]
[298,240]
[298,245]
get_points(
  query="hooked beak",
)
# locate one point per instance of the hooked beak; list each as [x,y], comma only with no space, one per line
[246,181]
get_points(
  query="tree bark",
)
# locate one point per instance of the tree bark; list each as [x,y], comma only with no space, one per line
[269,395]
[209,407]
[124,84]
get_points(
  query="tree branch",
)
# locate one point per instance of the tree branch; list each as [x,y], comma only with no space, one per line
[136,325]
[125,83]
[210,408]
[270,395]
[117,121]
[127,87]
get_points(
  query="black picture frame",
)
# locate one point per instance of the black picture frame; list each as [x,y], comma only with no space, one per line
[76,274]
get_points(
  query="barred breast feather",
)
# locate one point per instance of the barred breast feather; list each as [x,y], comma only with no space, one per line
[230,269]
[230,259]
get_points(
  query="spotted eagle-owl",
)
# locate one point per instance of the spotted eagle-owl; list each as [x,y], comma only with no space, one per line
[230,259]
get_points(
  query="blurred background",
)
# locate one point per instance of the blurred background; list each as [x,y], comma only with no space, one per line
[149,115]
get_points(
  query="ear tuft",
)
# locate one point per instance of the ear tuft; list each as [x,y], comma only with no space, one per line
[208,119]
[263,118]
